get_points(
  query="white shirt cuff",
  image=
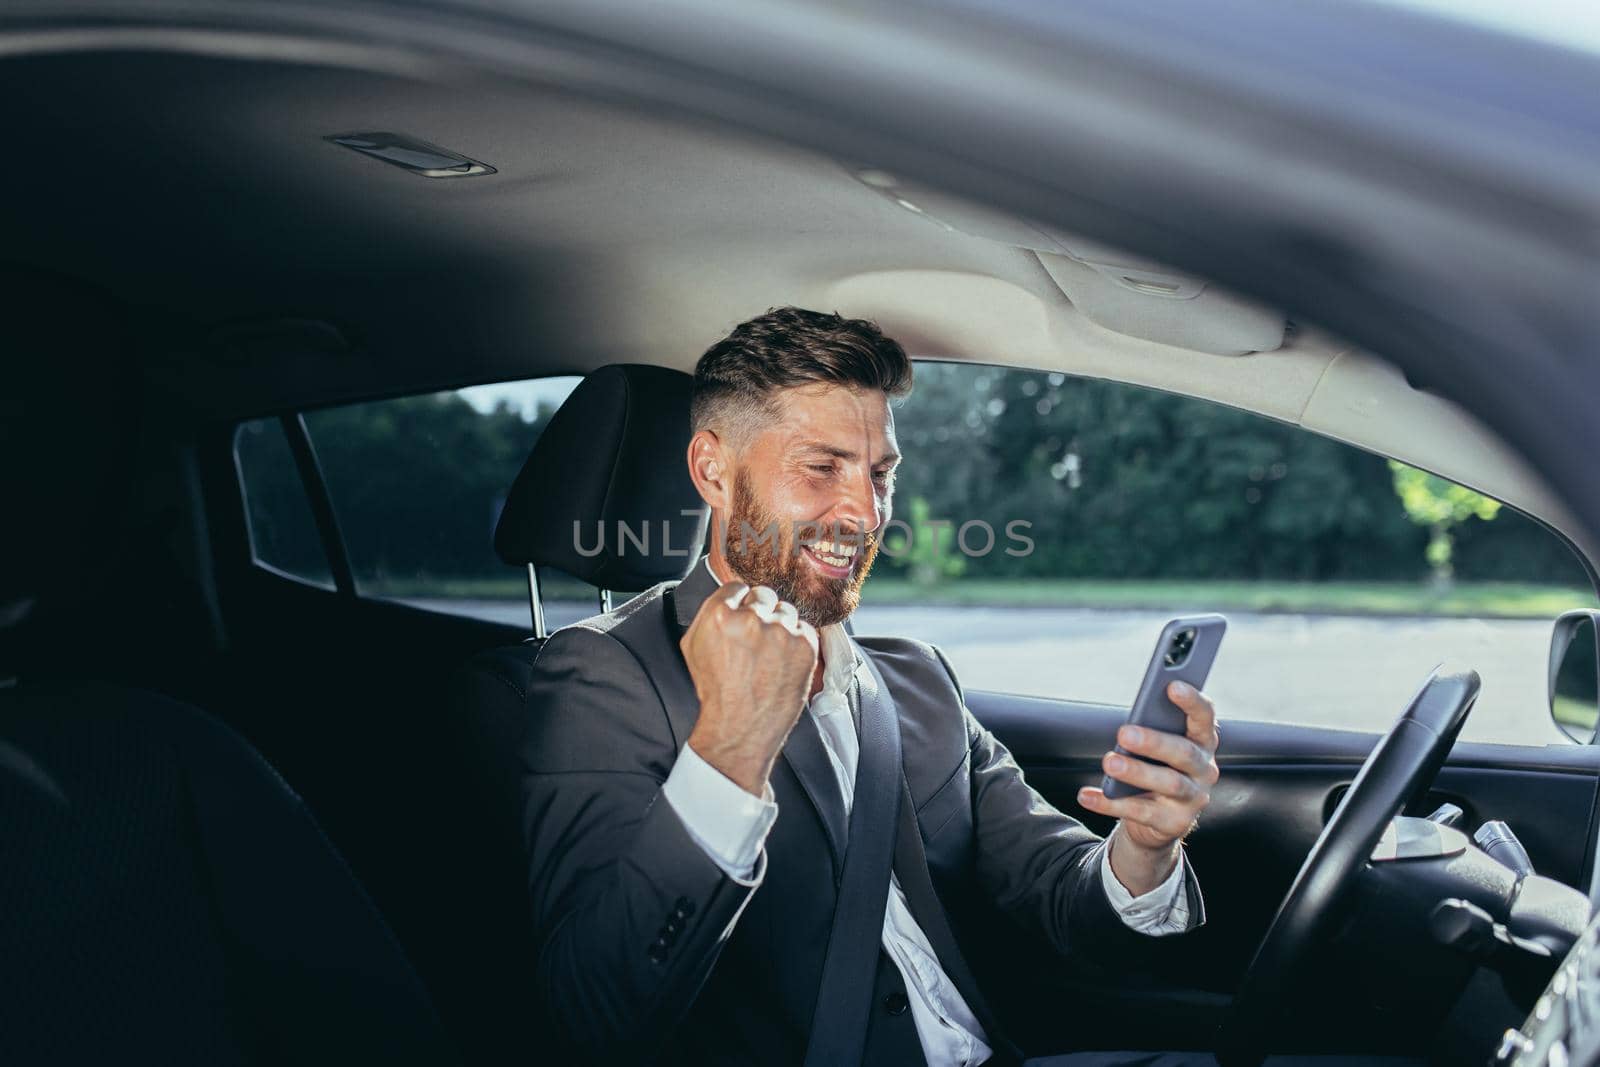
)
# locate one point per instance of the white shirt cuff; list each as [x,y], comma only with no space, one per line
[729,824]
[1163,910]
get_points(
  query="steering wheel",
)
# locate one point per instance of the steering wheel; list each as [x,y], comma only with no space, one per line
[1396,774]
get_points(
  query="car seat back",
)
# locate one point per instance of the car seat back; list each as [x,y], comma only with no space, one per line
[613,454]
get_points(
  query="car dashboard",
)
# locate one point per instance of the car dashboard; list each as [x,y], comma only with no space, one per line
[1564,1026]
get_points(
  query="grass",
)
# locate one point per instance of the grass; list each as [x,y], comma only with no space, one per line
[1502,600]
[1464,599]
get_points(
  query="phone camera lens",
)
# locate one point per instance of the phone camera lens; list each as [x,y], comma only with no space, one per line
[1178,651]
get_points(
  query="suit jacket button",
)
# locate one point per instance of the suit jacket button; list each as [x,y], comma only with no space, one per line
[684,907]
[657,950]
[896,1004]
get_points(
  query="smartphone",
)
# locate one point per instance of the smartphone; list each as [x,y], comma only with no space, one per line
[1184,654]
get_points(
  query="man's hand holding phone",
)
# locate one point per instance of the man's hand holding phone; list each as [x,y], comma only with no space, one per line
[1144,846]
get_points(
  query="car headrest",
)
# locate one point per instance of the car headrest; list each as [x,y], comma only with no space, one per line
[68,416]
[605,494]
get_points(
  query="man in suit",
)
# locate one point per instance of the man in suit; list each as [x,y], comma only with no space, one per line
[711,769]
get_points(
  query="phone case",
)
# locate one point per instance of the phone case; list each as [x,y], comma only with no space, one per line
[1152,708]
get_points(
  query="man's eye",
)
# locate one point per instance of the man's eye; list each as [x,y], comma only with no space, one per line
[823,469]
[883,476]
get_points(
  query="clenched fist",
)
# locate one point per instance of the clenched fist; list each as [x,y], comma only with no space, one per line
[752,659]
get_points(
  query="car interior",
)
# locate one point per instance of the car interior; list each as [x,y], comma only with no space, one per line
[252,817]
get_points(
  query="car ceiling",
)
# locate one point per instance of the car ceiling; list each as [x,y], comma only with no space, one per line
[201,189]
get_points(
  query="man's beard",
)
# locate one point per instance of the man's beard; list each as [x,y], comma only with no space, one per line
[762,552]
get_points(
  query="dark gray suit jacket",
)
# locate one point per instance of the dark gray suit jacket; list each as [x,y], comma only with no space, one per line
[650,952]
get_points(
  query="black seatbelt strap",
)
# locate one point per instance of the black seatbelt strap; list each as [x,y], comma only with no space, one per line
[849,969]
[911,867]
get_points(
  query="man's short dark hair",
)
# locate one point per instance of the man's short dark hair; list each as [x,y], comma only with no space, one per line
[789,346]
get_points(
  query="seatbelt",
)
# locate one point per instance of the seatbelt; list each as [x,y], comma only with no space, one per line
[849,969]
[911,866]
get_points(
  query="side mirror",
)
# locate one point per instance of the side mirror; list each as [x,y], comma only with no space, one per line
[1575,674]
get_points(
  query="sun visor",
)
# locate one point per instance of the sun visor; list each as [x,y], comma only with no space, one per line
[1113,290]
[1146,300]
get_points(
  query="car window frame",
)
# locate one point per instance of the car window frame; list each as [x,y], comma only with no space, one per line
[308,472]
[314,482]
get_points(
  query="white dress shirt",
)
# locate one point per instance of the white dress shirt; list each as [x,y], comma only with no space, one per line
[731,825]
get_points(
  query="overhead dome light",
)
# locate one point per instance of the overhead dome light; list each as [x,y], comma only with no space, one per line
[408,153]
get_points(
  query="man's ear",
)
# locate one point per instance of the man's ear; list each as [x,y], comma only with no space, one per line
[710,470]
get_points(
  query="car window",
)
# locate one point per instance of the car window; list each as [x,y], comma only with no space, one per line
[417,484]
[1068,518]
[283,532]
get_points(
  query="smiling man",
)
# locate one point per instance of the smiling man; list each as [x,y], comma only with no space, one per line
[754,837]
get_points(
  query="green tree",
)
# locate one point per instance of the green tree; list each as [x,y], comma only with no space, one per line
[1440,506]
[417,484]
[931,555]
[1124,482]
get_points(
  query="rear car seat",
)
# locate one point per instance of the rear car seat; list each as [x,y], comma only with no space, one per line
[164,896]
[614,453]
[169,899]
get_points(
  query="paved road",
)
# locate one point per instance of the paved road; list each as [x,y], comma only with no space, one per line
[1355,673]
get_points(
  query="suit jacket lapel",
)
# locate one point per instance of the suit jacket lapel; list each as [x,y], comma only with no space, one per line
[695,589]
[807,757]
[673,684]
[808,761]
[803,753]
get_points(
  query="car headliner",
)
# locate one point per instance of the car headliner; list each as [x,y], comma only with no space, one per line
[191,176]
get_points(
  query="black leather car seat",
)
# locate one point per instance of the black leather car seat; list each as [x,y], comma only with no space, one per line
[614,453]
[164,896]
[168,899]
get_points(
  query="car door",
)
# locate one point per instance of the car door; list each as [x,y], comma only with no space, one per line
[1279,783]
